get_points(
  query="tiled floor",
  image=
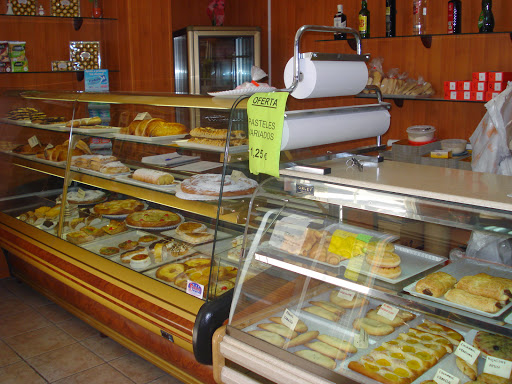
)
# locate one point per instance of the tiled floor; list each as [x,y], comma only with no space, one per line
[42,343]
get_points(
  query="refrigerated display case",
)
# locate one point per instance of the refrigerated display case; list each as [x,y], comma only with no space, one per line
[212,59]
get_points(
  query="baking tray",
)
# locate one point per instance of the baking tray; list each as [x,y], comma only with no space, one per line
[413,262]
[467,267]
[213,148]
[189,196]
[114,240]
[94,129]
[144,139]
[129,180]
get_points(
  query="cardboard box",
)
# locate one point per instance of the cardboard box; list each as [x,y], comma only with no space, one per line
[478,96]
[491,95]
[480,76]
[480,86]
[497,86]
[463,85]
[450,95]
[19,66]
[463,95]
[450,86]
[5,67]
[500,76]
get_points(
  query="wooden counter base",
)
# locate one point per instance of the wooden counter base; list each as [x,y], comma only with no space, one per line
[28,262]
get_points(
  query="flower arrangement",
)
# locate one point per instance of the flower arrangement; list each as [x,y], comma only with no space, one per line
[215,12]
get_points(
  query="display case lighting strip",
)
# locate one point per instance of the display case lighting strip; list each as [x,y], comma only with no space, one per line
[315,275]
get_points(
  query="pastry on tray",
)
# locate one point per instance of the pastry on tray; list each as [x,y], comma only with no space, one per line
[491,344]
[155,127]
[153,218]
[118,207]
[481,303]
[152,176]
[486,285]
[209,185]
[87,196]
[114,227]
[436,284]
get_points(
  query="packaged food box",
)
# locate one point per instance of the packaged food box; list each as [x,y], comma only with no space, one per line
[86,54]
[24,7]
[463,95]
[450,95]
[491,95]
[4,52]
[463,85]
[498,86]
[450,85]
[17,51]
[19,66]
[478,95]
[65,8]
[64,65]
[480,76]
[5,67]
[500,76]
[479,86]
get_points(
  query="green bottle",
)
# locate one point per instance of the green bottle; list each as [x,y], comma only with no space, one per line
[364,20]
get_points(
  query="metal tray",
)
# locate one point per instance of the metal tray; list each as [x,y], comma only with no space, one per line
[467,267]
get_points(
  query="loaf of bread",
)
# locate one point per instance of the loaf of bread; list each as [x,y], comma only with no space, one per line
[113,168]
[154,128]
[153,177]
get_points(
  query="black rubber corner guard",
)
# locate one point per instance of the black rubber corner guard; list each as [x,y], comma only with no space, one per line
[210,317]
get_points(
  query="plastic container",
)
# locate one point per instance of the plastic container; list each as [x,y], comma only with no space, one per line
[457,146]
[421,134]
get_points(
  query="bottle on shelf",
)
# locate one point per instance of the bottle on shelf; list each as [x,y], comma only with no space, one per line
[364,20]
[486,20]
[390,18]
[454,16]
[419,17]
[340,20]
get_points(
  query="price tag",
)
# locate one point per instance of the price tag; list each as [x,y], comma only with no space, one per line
[80,194]
[354,266]
[289,319]
[467,352]
[388,311]
[346,294]
[498,367]
[142,116]
[289,233]
[195,289]
[33,141]
[443,377]
[361,340]
[236,175]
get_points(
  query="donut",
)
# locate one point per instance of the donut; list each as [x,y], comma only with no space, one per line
[380,246]
[389,273]
[169,272]
[383,259]
[209,185]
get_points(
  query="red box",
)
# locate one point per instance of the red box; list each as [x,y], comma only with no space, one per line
[478,95]
[463,85]
[450,85]
[500,76]
[450,95]
[497,86]
[491,95]
[463,95]
[480,76]
[480,86]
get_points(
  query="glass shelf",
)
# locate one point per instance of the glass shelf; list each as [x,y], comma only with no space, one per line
[399,99]
[79,74]
[427,35]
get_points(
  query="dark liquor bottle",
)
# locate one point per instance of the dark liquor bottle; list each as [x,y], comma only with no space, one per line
[340,20]
[364,20]
[454,16]
[486,21]
[390,18]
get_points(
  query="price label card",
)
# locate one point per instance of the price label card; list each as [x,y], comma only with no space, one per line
[33,141]
[195,289]
[142,116]
[80,193]
[265,117]
[361,340]
[443,377]
[346,294]
[467,352]
[236,175]
[354,267]
[289,233]
[388,311]
[289,319]
[498,367]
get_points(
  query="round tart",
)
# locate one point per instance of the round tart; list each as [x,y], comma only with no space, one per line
[140,260]
[209,185]
[190,227]
[176,249]
[85,197]
[118,207]
[197,237]
[493,345]
[109,251]
[127,256]
[153,218]
[169,272]
[147,238]
[128,244]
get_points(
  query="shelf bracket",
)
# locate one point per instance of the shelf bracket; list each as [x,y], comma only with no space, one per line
[352,43]
[77,23]
[510,34]
[80,76]
[426,40]
[399,102]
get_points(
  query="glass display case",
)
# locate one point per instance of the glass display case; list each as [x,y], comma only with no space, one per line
[343,296]
[99,180]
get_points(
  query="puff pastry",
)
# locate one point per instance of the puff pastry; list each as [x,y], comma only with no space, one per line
[467,299]
[436,284]
[485,285]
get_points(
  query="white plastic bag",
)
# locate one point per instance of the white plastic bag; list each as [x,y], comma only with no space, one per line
[490,141]
[493,248]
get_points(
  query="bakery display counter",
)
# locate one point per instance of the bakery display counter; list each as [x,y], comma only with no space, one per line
[102,212]
[342,302]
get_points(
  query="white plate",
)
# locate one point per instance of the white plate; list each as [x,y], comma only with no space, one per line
[143,139]
[467,267]
[98,173]
[234,93]
[51,127]
[159,228]
[95,129]
[213,148]
[220,235]
[413,262]
[129,180]
[188,196]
